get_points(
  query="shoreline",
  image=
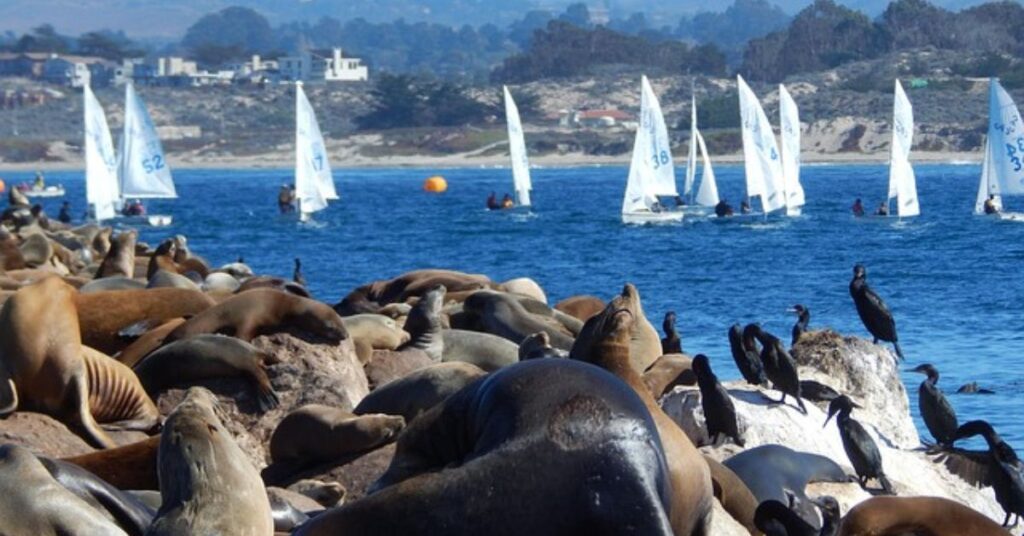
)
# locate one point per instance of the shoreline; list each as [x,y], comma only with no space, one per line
[461,160]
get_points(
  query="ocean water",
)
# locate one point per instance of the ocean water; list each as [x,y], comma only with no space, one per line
[953,280]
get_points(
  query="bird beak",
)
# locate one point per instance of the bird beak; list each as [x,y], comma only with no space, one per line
[856,405]
[827,419]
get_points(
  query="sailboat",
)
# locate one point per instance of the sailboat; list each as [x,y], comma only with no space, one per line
[1002,170]
[101,188]
[314,183]
[517,152]
[143,170]
[902,183]
[651,173]
[789,126]
[707,194]
[764,177]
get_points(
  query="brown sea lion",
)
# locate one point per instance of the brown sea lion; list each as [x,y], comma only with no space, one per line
[10,253]
[667,372]
[606,342]
[934,516]
[131,466]
[734,496]
[581,307]
[163,258]
[207,484]
[35,503]
[368,298]
[147,342]
[165,279]
[278,283]
[103,315]
[262,312]
[37,250]
[208,356]
[116,397]
[517,453]
[120,260]
[41,358]
[315,433]
[419,391]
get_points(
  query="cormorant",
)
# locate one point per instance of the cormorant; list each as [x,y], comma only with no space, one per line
[297,273]
[1005,471]
[671,344]
[936,411]
[719,411]
[872,310]
[779,366]
[817,391]
[746,354]
[859,447]
[803,318]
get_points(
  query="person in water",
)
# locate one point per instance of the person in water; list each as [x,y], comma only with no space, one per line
[65,213]
[286,199]
[745,207]
[492,202]
[723,209]
[857,208]
[883,209]
[990,205]
[506,202]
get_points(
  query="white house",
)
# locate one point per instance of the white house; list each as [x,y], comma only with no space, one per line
[322,66]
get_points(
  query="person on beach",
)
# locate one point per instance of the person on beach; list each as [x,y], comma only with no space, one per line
[65,213]
[492,202]
[506,202]
[857,208]
[883,209]
[723,209]
[990,205]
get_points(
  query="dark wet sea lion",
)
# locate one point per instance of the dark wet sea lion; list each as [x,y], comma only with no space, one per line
[935,516]
[120,260]
[424,325]
[204,357]
[41,364]
[207,484]
[131,466]
[34,503]
[554,442]
[503,315]
[131,514]
[103,315]
[370,297]
[419,391]
[734,496]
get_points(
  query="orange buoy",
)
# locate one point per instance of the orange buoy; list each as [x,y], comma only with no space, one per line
[435,184]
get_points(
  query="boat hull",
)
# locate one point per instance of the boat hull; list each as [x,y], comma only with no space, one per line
[152,220]
[49,191]
[652,217]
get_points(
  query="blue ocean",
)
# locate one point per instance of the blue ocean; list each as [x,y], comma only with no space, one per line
[949,277]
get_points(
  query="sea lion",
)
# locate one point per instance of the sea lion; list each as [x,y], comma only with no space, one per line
[518,453]
[489,352]
[606,341]
[221,282]
[373,332]
[424,325]
[935,516]
[102,315]
[207,356]
[36,250]
[131,514]
[207,484]
[774,472]
[419,391]
[35,503]
[41,358]
[239,270]
[10,253]
[667,372]
[131,466]
[524,286]
[165,279]
[370,297]
[503,315]
[286,516]
[163,258]
[116,398]
[120,260]
[315,433]
[262,281]
[112,283]
[734,496]
[581,307]
[149,341]
[262,312]
[538,346]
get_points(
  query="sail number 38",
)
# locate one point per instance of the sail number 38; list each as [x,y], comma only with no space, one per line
[1014,152]
[660,159]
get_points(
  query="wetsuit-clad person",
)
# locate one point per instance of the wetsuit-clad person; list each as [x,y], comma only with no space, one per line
[857,208]
[883,210]
[492,202]
[723,209]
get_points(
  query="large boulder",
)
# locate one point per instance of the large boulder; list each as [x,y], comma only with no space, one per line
[305,373]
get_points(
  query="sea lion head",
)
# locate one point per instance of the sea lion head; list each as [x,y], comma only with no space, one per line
[181,252]
[608,328]
[425,315]
[319,319]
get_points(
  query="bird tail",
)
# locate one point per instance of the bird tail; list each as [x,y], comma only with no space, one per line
[899,352]
[886,485]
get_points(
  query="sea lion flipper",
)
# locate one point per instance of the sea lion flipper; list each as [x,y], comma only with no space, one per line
[8,397]
[82,418]
[137,329]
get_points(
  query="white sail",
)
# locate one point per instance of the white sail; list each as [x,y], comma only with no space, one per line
[989,183]
[789,125]
[143,170]
[902,184]
[760,151]
[707,194]
[314,183]
[101,190]
[517,152]
[691,159]
[1005,147]
[650,170]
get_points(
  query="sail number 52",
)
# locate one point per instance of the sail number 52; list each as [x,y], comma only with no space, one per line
[154,163]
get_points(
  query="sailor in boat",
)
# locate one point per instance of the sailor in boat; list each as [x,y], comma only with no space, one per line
[492,202]
[991,207]
[135,208]
[680,202]
[745,206]
[285,199]
[723,209]
[40,182]
[883,209]
[857,208]
[506,202]
[65,213]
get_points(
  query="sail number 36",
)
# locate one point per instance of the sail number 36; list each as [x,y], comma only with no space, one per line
[153,163]
[660,159]
[1015,152]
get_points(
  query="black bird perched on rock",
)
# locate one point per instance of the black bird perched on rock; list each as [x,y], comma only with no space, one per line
[776,519]
[746,354]
[859,447]
[297,273]
[671,344]
[719,411]
[938,414]
[779,366]
[803,318]
[872,310]
[1005,471]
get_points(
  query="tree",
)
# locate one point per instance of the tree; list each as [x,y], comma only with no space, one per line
[407,101]
[109,45]
[231,33]
[44,39]
[576,14]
